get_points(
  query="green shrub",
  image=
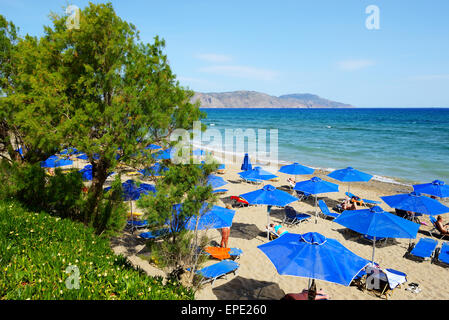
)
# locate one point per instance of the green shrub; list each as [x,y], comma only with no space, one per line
[36,249]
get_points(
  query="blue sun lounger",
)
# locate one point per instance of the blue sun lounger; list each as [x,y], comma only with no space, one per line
[370,238]
[217,270]
[220,191]
[443,254]
[137,223]
[153,234]
[325,210]
[424,249]
[292,217]
[365,201]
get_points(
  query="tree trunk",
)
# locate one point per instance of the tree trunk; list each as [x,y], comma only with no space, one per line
[99,175]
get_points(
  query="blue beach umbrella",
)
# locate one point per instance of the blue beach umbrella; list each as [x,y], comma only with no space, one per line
[377,223]
[296,169]
[436,188]
[246,165]
[214,218]
[415,202]
[163,154]
[257,173]
[69,151]
[153,147]
[349,175]
[215,181]
[313,256]
[82,156]
[54,161]
[86,172]
[156,170]
[316,186]
[269,196]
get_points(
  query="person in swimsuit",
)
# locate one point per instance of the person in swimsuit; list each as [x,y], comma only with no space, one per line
[280,230]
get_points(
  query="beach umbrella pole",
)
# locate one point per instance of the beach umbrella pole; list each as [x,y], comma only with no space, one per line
[374,248]
[268,222]
[316,212]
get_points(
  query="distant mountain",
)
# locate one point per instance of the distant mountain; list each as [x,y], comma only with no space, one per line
[253,99]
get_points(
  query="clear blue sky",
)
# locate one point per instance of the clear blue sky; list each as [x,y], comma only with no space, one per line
[280,47]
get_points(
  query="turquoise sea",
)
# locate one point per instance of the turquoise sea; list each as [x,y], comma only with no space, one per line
[408,145]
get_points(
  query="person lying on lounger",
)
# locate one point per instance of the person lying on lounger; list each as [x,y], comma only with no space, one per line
[443,228]
[278,229]
[347,204]
[291,181]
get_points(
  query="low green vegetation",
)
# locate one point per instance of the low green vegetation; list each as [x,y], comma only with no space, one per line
[38,252]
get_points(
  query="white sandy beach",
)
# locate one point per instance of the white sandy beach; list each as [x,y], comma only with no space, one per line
[257,278]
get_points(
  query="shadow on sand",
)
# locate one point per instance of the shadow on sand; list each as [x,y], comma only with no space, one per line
[241,288]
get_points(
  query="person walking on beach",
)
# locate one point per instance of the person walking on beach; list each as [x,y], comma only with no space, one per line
[225,232]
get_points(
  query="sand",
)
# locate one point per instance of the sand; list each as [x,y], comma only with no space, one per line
[257,278]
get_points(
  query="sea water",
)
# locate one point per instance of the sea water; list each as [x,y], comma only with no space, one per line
[408,145]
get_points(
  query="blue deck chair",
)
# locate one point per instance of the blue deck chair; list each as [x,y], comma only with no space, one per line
[435,229]
[235,253]
[424,249]
[217,270]
[364,201]
[154,234]
[292,217]
[137,224]
[325,210]
[443,254]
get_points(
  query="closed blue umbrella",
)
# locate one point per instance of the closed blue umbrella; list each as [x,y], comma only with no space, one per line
[316,186]
[377,223]
[215,181]
[349,175]
[269,196]
[415,202]
[313,256]
[246,165]
[257,174]
[436,188]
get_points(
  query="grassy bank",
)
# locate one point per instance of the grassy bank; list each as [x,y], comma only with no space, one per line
[38,253]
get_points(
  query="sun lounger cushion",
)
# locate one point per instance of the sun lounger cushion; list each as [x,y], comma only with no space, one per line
[424,248]
[153,234]
[325,210]
[223,253]
[138,223]
[395,278]
[217,270]
[443,256]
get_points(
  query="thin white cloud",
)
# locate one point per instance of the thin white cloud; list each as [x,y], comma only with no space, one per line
[430,77]
[355,64]
[241,72]
[213,57]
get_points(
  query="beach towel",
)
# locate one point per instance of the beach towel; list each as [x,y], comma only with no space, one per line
[218,252]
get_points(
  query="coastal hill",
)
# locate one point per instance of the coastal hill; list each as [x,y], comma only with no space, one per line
[253,99]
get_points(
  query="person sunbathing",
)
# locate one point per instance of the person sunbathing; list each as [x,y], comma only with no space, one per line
[347,204]
[442,228]
[278,229]
[291,181]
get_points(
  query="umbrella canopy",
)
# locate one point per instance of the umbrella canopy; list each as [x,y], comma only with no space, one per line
[257,173]
[269,196]
[152,147]
[214,218]
[215,181]
[316,186]
[377,223]
[296,169]
[86,172]
[313,256]
[133,192]
[436,188]
[246,165]
[198,152]
[156,170]
[54,161]
[350,174]
[163,154]
[82,156]
[415,202]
